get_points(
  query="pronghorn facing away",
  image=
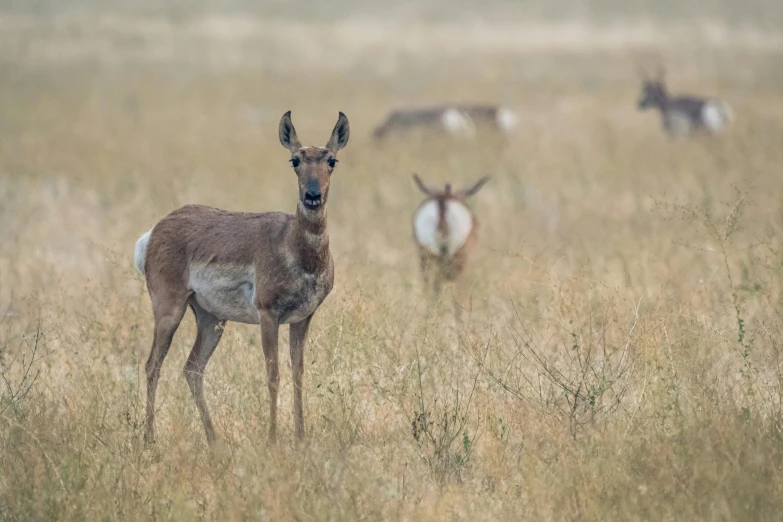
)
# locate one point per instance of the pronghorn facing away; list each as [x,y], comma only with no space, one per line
[684,115]
[452,119]
[268,269]
[444,229]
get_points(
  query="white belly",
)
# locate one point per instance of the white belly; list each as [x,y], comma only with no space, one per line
[459,224]
[226,291]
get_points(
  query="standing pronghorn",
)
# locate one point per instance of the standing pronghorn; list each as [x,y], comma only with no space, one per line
[268,269]
[444,229]
[684,115]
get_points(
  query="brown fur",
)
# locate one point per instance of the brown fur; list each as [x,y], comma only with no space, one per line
[401,120]
[681,115]
[436,269]
[294,273]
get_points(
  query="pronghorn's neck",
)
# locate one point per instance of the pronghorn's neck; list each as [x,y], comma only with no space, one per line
[663,98]
[311,239]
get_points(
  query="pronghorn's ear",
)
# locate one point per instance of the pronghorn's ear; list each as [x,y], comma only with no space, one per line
[467,192]
[340,134]
[423,187]
[288,134]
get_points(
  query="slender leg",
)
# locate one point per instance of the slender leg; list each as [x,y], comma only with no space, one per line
[432,273]
[460,298]
[210,330]
[298,337]
[269,334]
[426,272]
[436,280]
[460,286]
[168,314]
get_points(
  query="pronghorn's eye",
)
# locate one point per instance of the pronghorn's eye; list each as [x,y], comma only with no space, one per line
[295,162]
[332,162]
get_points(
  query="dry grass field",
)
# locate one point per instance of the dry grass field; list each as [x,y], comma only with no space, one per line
[620,353]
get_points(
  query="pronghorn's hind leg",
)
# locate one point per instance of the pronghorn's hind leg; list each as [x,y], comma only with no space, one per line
[461,289]
[210,330]
[168,311]
[677,125]
[430,273]
[462,302]
[436,283]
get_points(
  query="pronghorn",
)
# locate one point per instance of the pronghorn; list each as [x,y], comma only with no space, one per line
[684,115]
[268,269]
[444,229]
[453,119]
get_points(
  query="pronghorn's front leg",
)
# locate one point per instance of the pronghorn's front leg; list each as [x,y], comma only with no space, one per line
[269,334]
[210,329]
[298,336]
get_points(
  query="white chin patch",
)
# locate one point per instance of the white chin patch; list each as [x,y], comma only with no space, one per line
[459,223]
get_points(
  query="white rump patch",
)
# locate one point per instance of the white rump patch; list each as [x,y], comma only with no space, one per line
[506,120]
[425,226]
[140,252]
[459,223]
[456,122]
[716,115]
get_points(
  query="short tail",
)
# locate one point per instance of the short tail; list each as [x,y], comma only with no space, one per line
[140,252]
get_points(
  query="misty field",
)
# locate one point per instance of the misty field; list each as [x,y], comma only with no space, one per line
[620,349]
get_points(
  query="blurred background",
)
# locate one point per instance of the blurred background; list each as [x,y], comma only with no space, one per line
[619,354]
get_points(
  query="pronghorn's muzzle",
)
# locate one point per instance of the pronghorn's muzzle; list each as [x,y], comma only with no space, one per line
[313,200]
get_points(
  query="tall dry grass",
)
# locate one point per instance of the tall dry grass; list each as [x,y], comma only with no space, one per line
[620,351]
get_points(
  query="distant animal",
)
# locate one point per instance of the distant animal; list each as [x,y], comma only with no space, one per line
[684,116]
[445,232]
[451,119]
[269,269]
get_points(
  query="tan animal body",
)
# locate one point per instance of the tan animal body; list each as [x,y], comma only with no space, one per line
[445,232]
[456,120]
[267,269]
[684,116]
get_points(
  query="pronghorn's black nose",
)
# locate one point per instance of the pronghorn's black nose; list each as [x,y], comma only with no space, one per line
[313,199]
